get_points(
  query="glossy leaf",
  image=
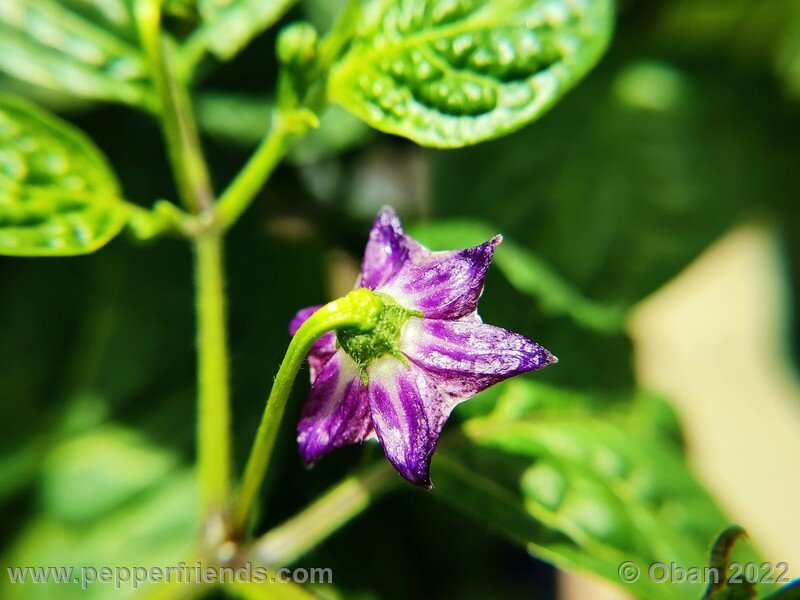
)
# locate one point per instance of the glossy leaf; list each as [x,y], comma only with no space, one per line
[229,25]
[452,73]
[87,48]
[574,479]
[527,273]
[58,195]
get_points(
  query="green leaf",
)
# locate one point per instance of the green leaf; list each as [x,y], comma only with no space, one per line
[764,35]
[87,48]
[89,476]
[574,479]
[58,196]
[627,182]
[323,13]
[229,25]
[134,507]
[449,74]
[526,272]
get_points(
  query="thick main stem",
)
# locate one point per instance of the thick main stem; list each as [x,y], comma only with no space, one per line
[360,308]
[213,426]
[183,144]
[194,186]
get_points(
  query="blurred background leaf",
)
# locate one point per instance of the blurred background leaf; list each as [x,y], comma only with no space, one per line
[242,120]
[525,272]
[637,190]
[228,25]
[108,497]
[582,482]
[749,34]
[87,48]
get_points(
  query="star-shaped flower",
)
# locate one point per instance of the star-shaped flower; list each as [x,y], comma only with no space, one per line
[428,352]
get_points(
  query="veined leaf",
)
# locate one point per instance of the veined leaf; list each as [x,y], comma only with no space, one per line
[58,196]
[450,73]
[228,25]
[83,47]
[581,486]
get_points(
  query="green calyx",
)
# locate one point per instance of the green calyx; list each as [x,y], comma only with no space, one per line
[365,347]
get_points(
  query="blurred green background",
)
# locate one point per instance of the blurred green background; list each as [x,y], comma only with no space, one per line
[689,127]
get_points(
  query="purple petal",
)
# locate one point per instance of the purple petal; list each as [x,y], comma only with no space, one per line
[387,249]
[323,348]
[408,414]
[443,285]
[336,412]
[466,356]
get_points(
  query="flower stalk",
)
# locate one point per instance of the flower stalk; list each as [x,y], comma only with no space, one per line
[358,309]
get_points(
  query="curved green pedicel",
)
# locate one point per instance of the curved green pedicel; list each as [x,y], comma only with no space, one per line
[365,347]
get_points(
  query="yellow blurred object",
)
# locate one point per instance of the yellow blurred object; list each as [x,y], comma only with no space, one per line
[712,340]
[577,586]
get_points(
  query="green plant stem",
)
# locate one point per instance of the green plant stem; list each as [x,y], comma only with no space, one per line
[360,308]
[243,189]
[344,501]
[193,182]
[290,119]
[213,426]
[177,119]
[186,154]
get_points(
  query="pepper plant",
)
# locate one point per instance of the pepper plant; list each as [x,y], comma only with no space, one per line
[392,358]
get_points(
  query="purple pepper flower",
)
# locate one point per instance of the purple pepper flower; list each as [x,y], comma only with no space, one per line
[429,351]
